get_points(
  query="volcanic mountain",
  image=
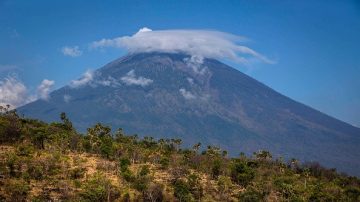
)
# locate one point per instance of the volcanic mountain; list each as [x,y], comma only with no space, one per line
[168,95]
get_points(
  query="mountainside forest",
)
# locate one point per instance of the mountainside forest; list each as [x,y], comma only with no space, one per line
[53,162]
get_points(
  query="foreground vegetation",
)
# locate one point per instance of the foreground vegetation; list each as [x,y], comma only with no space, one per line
[53,162]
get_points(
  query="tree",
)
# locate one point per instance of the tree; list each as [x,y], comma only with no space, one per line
[176,143]
[10,126]
[216,168]
[196,147]
[39,138]
[263,155]
[67,123]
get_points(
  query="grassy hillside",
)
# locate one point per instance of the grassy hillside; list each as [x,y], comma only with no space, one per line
[47,162]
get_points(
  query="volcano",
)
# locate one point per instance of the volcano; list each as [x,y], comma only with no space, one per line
[171,95]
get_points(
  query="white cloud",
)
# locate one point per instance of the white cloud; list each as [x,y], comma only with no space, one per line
[94,79]
[87,77]
[200,43]
[187,94]
[130,79]
[110,82]
[44,88]
[196,64]
[190,80]
[67,98]
[71,51]
[15,93]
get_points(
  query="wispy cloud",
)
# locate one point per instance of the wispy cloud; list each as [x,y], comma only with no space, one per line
[109,81]
[131,79]
[67,98]
[7,67]
[200,43]
[186,94]
[94,79]
[15,93]
[87,77]
[44,88]
[196,64]
[71,51]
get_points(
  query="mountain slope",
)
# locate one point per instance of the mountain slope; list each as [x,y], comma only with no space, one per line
[175,95]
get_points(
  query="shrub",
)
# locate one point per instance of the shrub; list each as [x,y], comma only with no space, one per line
[13,165]
[128,175]
[353,193]
[144,170]
[285,187]
[17,190]
[195,186]
[182,190]
[251,195]
[25,150]
[98,188]
[216,168]
[36,171]
[141,183]
[241,173]
[164,162]
[77,173]
[124,164]
[154,193]
[224,184]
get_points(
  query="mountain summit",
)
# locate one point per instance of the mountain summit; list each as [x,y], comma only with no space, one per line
[201,100]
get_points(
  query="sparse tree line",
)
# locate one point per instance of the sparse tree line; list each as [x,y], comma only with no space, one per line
[48,162]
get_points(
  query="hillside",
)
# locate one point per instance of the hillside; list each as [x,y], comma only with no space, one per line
[178,96]
[53,162]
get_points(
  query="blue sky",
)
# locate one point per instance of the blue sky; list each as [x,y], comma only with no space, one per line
[315,43]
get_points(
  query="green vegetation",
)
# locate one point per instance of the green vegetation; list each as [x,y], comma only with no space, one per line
[48,162]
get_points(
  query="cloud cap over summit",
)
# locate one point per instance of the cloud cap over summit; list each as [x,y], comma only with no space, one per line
[201,43]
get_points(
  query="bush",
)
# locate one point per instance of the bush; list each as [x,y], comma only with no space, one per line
[10,128]
[128,175]
[17,190]
[224,184]
[144,170]
[164,162]
[77,173]
[182,190]
[353,193]
[13,164]
[141,183]
[36,171]
[216,168]
[195,186]
[251,195]
[124,164]
[98,188]
[242,174]
[285,187]
[25,150]
[154,193]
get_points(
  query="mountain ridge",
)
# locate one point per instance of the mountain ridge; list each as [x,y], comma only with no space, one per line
[176,95]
